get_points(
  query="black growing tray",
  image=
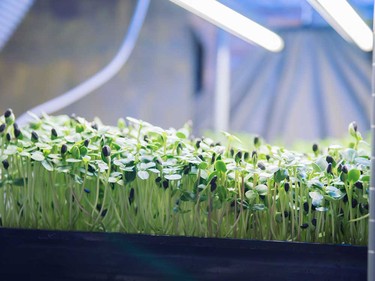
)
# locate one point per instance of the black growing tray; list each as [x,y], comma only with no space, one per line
[60,255]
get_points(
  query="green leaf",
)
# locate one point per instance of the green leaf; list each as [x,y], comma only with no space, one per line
[144,175]
[354,175]
[316,197]
[37,156]
[220,166]
[365,178]
[349,154]
[173,177]
[73,160]
[320,164]
[251,195]
[11,150]
[102,166]
[203,165]
[258,207]
[280,175]
[262,189]
[112,180]
[47,165]
[180,135]
[362,161]
[334,192]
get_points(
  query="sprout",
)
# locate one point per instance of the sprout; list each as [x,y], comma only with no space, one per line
[106,179]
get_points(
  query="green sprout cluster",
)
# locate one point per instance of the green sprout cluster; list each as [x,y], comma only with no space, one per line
[65,173]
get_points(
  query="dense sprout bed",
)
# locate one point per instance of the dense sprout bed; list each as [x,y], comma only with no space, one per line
[70,174]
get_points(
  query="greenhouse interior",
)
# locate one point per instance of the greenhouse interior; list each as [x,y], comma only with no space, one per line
[187,140]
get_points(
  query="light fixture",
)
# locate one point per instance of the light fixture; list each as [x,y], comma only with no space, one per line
[233,22]
[345,20]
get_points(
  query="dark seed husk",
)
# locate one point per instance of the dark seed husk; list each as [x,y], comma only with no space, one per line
[17,131]
[355,126]
[261,166]
[313,221]
[34,136]
[315,147]
[329,168]
[5,164]
[329,159]
[106,150]
[304,226]
[87,190]
[8,137]
[186,170]
[53,133]
[2,128]
[213,158]
[344,169]
[286,186]
[198,143]
[165,184]
[256,140]
[213,186]
[354,203]
[64,149]
[306,206]
[238,156]
[345,198]
[86,142]
[131,195]
[359,185]
[246,155]
[8,113]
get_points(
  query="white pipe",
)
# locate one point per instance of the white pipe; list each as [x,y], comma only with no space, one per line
[102,76]
[222,83]
[371,229]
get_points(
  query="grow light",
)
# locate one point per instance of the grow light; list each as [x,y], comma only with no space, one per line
[345,20]
[233,22]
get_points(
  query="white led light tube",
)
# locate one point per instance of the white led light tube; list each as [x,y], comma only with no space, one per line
[345,20]
[233,22]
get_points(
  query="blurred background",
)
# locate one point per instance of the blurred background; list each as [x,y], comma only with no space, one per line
[311,90]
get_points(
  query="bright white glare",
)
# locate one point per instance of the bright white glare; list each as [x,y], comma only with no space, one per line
[233,22]
[345,20]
